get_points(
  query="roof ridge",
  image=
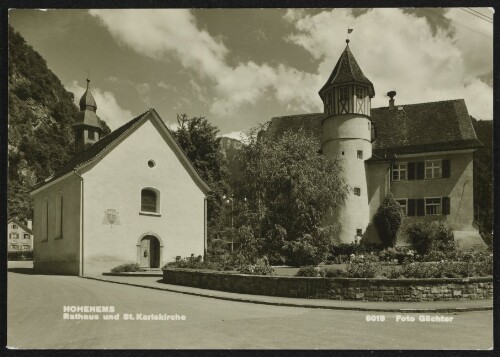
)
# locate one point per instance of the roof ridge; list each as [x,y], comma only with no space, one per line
[296,115]
[436,101]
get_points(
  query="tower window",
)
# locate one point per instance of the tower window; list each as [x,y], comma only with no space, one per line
[360,100]
[359,92]
[359,232]
[342,153]
[91,134]
[149,200]
[343,100]
[360,154]
[357,191]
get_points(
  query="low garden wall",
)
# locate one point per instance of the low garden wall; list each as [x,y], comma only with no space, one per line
[335,288]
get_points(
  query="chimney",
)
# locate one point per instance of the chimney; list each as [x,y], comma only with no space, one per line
[391,94]
[29,224]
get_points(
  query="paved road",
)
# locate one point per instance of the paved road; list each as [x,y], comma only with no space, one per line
[35,320]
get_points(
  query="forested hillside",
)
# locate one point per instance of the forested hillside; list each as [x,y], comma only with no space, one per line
[40,115]
[483,174]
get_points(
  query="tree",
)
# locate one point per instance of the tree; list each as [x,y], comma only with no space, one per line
[290,189]
[483,174]
[387,221]
[198,138]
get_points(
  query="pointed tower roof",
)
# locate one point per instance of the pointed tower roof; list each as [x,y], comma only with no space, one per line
[346,71]
[87,115]
[87,100]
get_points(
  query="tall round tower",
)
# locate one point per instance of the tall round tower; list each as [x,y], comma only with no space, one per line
[347,134]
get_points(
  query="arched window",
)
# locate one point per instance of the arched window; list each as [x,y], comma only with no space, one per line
[149,200]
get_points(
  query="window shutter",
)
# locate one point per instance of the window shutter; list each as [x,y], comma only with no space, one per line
[445,205]
[420,207]
[446,168]
[411,171]
[411,207]
[420,170]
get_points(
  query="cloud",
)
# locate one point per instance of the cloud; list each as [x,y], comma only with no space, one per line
[238,135]
[407,57]
[163,34]
[107,106]
[167,86]
[421,65]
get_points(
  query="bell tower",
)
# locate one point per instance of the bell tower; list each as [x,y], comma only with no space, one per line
[87,127]
[347,130]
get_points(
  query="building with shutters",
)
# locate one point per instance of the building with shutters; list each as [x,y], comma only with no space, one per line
[421,153]
[131,196]
[20,236]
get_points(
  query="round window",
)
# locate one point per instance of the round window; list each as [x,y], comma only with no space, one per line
[151,163]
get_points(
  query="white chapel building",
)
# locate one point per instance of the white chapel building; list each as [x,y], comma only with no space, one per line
[129,197]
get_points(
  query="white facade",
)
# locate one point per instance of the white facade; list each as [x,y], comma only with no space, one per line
[104,220]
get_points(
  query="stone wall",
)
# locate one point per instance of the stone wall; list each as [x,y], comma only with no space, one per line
[335,288]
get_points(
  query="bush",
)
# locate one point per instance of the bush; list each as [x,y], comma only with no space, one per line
[335,273]
[448,269]
[397,255]
[20,256]
[302,252]
[340,253]
[430,238]
[127,268]
[420,237]
[191,262]
[387,221]
[420,270]
[443,238]
[310,271]
[364,258]
[362,270]
[260,268]
[391,273]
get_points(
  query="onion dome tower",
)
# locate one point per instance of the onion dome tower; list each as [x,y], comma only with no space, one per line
[347,134]
[87,126]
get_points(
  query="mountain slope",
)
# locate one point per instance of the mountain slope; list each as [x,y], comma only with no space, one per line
[40,115]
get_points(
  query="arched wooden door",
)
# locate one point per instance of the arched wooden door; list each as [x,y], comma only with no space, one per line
[149,255]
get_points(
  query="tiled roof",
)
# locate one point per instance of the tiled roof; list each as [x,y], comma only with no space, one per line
[309,123]
[415,128]
[87,155]
[24,227]
[346,71]
[423,127]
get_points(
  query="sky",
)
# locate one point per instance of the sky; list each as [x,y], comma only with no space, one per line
[241,67]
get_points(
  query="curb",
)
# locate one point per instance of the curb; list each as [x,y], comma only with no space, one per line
[309,306]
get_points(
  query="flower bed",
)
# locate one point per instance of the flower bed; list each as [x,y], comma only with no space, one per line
[370,289]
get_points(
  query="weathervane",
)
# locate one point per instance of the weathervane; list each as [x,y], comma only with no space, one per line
[348,32]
